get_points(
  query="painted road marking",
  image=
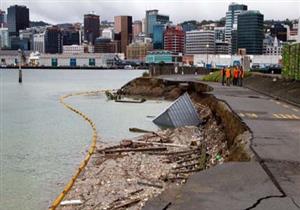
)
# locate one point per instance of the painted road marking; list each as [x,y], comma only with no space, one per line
[241,115]
[277,116]
[277,102]
[296,110]
[252,115]
[287,116]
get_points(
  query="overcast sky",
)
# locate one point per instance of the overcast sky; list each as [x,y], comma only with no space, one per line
[62,11]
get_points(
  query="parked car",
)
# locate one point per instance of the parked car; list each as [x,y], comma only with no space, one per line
[275,69]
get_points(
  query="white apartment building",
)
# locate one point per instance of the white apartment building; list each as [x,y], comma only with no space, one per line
[200,42]
[39,42]
[4,39]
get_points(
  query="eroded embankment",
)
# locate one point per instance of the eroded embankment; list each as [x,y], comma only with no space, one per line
[237,133]
[128,174]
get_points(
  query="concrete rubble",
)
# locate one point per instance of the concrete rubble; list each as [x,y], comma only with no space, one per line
[126,175]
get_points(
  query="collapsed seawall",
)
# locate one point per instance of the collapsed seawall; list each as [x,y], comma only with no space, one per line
[237,133]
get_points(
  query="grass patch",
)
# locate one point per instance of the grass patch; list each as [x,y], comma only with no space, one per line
[216,76]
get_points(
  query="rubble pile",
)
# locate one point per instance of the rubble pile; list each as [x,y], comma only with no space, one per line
[126,175]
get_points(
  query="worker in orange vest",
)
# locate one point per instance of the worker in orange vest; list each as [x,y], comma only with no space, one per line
[235,76]
[228,76]
[223,73]
[241,76]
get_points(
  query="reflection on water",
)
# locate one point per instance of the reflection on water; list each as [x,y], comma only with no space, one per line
[42,142]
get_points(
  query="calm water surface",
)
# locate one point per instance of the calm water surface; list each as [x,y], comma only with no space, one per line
[41,142]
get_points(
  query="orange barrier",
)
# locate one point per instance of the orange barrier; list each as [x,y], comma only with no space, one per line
[91,150]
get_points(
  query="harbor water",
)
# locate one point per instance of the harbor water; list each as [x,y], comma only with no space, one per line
[42,143]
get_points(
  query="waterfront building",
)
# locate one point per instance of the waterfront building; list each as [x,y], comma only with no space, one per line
[91,27]
[152,18]
[158,36]
[200,42]
[108,33]
[2,19]
[105,45]
[39,42]
[138,50]
[77,60]
[162,56]
[4,38]
[174,39]
[73,49]
[123,30]
[137,28]
[17,19]
[189,25]
[232,20]
[280,31]
[53,40]
[250,32]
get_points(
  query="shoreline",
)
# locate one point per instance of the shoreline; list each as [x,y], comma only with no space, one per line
[87,189]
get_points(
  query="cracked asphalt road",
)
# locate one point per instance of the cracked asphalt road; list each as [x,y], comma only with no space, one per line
[272,182]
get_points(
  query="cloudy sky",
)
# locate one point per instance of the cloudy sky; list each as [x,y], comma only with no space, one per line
[61,11]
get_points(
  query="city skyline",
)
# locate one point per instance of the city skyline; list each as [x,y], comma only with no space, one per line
[178,10]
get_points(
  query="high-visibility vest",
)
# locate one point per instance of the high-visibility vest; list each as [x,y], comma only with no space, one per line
[236,73]
[228,73]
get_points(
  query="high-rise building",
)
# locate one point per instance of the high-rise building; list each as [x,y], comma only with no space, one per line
[174,39]
[17,19]
[105,45]
[232,20]
[250,33]
[53,40]
[91,27]
[200,42]
[152,18]
[280,31]
[137,28]
[4,38]
[123,31]
[158,36]
[2,19]
[71,37]
[39,42]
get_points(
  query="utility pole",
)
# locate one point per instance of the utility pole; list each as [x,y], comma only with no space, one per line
[20,67]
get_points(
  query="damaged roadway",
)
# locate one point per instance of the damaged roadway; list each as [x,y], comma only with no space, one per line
[270,181]
[258,170]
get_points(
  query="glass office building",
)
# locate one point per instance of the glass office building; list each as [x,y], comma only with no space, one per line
[158,36]
[250,33]
[152,18]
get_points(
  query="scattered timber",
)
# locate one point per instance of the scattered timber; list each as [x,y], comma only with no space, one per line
[135,150]
[150,184]
[138,130]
